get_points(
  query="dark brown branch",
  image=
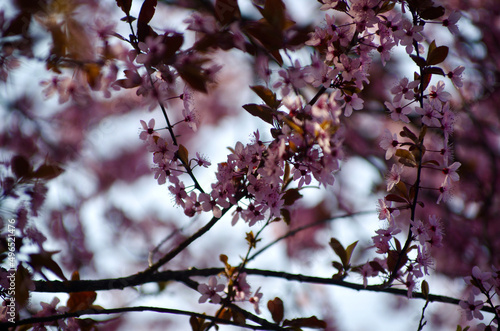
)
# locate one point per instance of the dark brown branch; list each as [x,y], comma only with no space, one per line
[47,319]
[183,275]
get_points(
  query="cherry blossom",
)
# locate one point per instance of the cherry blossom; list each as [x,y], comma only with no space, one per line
[210,291]
[148,130]
[398,111]
[394,176]
[456,76]
[472,308]
[451,22]
[404,88]
[389,143]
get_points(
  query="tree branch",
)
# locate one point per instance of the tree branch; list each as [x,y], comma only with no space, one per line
[46,319]
[183,275]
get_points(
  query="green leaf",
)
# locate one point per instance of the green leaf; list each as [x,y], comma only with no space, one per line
[277,309]
[263,112]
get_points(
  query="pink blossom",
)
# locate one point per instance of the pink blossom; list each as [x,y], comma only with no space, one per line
[430,116]
[241,288]
[385,211]
[384,49]
[383,237]
[398,111]
[444,193]
[367,271]
[451,173]
[148,130]
[410,284]
[201,161]
[404,88]
[153,49]
[420,231]
[451,22]
[394,176]
[408,34]
[209,291]
[329,4]
[350,102]
[389,143]
[456,76]
[424,260]
[255,300]
[437,92]
[435,231]
[472,308]
[201,23]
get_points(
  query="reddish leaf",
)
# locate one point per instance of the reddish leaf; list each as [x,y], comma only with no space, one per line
[395,198]
[406,155]
[420,61]
[274,13]
[19,25]
[80,300]
[268,96]
[291,196]
[193,75]
[376,266]
[434,71]
[408,134]
[183,154]
[437,55]
[173,43]
[124,5]
[263,112]
[285,213]
[44,260]
[23,285]
[145,15]
[432,13]
[277,309]
[20,166]
[349,251]
[226,11]
[147,11]
[308,322]
[392,258]
[425,289]
[48,171]
[339,250]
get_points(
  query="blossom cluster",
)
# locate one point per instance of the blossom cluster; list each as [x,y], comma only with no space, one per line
[486,286]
